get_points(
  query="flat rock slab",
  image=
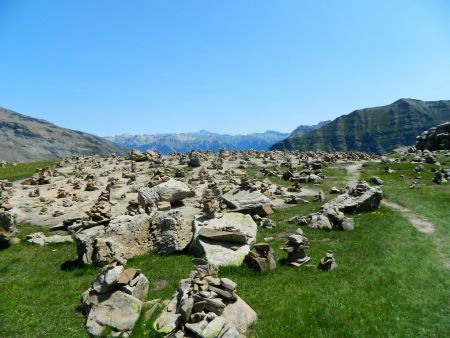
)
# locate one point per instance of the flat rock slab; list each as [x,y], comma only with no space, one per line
[248,202]
[222,247]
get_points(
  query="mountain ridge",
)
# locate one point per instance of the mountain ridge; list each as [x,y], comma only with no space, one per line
[375,129]
[200,140]
[24,139]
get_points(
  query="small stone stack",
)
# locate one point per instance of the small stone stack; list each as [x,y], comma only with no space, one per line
[261,258]
[295,248]
[134,208]
[206,306]
[328,262]
[210,202]
[113,303]
[441,176]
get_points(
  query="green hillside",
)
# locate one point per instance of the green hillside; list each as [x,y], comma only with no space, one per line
[378,129]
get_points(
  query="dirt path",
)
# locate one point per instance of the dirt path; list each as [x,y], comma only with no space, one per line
[420,224]
[354,171]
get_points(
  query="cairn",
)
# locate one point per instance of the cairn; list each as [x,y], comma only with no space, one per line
[205,306]
[327,263]
[295,248]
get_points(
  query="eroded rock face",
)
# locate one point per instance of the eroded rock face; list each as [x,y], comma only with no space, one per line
[125,237]
[362,198]
[206,306]
[113,303]
[171,232]
[249,202]
[226,240]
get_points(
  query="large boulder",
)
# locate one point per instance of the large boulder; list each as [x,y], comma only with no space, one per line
[171,232]
[226,240]
[170,191]
[7,228]
[113,303]
[125,237]
[362,198]
[249,202]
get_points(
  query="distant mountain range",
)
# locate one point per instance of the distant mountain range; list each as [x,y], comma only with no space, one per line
[201,140]
[378,130]
[26,139]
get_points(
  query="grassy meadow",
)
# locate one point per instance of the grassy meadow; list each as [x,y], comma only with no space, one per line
[391,280]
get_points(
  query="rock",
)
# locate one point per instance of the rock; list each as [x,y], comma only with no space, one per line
[194,162]
[7,224]
[137,156]
[170,191]
[261,258]
[40,239]
[118,314]
[319,221]
[436,138]
[327,263]
[171,232]
[202,310]
[246,202]
[113,303]
[376,180]
[240,316]
[295,248]
[125,237]
[224,247]
[362,198]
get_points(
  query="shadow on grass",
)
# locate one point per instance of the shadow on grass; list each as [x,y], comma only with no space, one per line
[72,265]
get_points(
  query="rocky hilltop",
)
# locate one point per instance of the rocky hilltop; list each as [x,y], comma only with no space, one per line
[201,140]
[26,139]
[436,138]
[378,129]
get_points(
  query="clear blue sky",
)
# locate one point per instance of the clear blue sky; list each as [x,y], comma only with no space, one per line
[108,67]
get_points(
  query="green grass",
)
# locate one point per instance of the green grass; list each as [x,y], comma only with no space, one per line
[431,201]
[22,170]
[390,280]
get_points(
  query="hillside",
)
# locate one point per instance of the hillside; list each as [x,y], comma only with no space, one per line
[378,129]
[202,140]
[26,139]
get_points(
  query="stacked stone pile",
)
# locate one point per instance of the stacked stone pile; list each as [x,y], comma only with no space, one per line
[206,306]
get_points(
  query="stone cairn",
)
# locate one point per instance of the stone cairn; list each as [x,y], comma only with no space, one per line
[328,262]
[210,202]
[113,303]
[295,248]
[261,258]
[205,306]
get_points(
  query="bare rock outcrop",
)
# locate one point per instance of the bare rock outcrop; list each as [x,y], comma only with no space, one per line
[125,237]
[362,198]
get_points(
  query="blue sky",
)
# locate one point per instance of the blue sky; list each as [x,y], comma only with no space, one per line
[109,67]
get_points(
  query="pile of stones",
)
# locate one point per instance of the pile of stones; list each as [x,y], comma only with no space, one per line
[113,303]
[295,248]
[328,263]
[206,306]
